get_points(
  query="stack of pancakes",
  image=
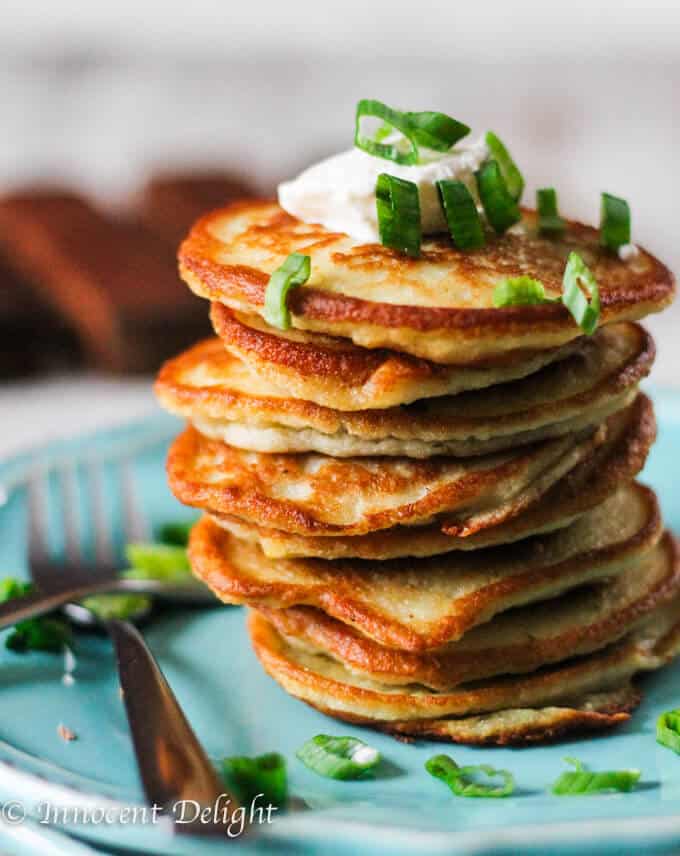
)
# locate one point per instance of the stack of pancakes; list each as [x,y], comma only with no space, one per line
[429,503]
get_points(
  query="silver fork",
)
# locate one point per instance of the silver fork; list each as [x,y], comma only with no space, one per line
[172,764]
[60,583]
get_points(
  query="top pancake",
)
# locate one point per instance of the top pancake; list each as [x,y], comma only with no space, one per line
[438,307]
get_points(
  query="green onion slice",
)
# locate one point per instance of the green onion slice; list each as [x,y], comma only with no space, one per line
[549,220]
[520,291]
[294,271]
[175,533]
[338,757]
[122,606]
[614,222]
[668,730]
[398,209]
[164,562]
[513,177]
[34,634]
[577,279]
[251,777]
[580,782]
[461,779]
[462,217]
[429,129]
[502,210]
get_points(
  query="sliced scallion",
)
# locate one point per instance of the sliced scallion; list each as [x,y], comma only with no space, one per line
[338,757]
[158,562]
[501,209]
[577,282]
[461,780]
[398,210]
[175,533]
[429,129]
[520,291]
[294,271]
[668,730]
[580,782]
[462,217]
[513,177]
[614,222]
[549,220]
[251,777]
[34,634]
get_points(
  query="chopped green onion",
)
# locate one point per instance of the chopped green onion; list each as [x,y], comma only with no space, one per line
[164,562]
[460,779]
[549,220]
[668,730]
[121,606]
[432,130]
[509,170]
[461,215]
[176,533]
[398,209]
[614,222]
[252,777]
[338,757]
[34,634]
[500,206]
[294,271]
[579,278]
[580,782]
[520,291]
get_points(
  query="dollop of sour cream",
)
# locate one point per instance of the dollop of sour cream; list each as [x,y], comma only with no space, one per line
[339,192]
[628,252]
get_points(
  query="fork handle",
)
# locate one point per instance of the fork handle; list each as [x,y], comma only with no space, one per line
[37,604]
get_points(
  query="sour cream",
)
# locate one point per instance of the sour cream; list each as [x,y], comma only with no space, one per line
[339,192]
[628,252]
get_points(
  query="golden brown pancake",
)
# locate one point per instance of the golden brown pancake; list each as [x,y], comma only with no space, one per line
[226,401]
[421,604]
[413,710]
[335,373]
[617,461]
[316,495]
[517,641]
[439,307]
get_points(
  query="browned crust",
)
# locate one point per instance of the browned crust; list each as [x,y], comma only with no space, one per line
[647,291]
[563,721]
[247,494]
[587,485]
[435,421]
[445,668]
[337,588]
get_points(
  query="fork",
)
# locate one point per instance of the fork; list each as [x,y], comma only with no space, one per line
[172,764]
[59,583]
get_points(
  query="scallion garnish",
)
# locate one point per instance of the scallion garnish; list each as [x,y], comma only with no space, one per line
[509,170]
[462,217]
[175,533]
[294,271]
[614,222]
[251,777]
[668,730]
[398,209]
[577,279]
[549,220]
[429,129]
[502,210]
[34,634]
[158,562]
[338,757]
[461,779]
[580,782]
[520,291]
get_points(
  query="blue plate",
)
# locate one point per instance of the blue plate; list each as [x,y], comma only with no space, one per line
[236,709]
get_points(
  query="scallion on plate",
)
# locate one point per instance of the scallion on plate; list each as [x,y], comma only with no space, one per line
[264,775]
[465,781]
[668,730]
[581,782]
[338,757]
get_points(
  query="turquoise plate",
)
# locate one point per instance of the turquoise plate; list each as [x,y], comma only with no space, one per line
[236,709]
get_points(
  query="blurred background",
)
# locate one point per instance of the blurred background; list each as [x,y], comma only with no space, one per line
[121,121]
